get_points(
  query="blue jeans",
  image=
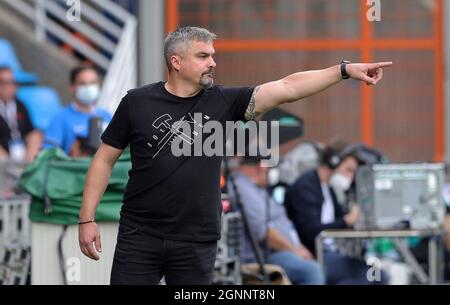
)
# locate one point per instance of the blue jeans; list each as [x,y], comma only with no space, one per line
[299,270]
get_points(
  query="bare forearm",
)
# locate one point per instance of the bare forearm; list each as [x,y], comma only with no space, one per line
[303,84]
[34,142]
[95,185]
[277,241]
[292,88]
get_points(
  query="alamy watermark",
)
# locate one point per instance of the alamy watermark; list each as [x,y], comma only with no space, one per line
[73,13]
[73,269]
[197,135]
[374,10]
[374,272]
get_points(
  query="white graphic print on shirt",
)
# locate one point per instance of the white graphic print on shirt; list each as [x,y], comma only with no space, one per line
[171,131]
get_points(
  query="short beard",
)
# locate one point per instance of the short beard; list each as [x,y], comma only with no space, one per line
[206,83]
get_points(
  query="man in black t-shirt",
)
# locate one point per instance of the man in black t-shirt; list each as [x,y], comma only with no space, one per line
[170,218]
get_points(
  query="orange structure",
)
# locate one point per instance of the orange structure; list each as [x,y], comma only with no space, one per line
[262,40]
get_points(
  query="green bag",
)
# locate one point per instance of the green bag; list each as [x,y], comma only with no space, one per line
[55,182]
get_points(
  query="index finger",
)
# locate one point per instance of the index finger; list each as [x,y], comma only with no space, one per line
[382,64]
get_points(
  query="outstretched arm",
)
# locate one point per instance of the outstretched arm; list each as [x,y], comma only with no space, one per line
[303,84]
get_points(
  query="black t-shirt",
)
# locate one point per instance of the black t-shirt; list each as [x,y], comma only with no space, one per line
[23,124]
[172,197]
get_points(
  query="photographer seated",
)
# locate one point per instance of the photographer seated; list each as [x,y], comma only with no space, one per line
[312,205]
[274,230]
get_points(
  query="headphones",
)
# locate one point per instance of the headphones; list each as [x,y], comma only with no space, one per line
[337,157]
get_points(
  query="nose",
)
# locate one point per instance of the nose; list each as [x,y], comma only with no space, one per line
[212,63]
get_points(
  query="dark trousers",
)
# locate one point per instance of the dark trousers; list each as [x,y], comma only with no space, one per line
[344,270]
[143,259]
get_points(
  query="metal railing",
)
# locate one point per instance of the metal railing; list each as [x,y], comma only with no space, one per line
[109,38]
[15,228]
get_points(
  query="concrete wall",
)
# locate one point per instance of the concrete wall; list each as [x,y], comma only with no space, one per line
[45,262]
[151,41]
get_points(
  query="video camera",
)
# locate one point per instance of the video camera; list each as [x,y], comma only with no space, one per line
[399,196]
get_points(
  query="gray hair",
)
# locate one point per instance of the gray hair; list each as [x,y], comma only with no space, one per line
[184,35]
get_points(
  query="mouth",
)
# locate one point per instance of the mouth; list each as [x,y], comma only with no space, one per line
[209,74]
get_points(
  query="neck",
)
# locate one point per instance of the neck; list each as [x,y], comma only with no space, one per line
[324,174]
[84,108]
[180,87]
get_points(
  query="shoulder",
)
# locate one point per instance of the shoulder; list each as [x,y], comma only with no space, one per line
[102,112]
[137,92]
[306,177]
[231,90]
[305,182]
[247,187]
[20,104]
[242,180]
[61,118]
[137,96]
[21,108]
[231,94]
[64,113]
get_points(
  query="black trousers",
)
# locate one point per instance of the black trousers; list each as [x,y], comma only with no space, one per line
[143,259]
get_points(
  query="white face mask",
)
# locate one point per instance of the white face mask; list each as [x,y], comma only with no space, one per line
[340,182]
[88,94]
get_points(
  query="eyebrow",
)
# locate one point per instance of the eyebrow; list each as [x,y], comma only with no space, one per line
[205,53]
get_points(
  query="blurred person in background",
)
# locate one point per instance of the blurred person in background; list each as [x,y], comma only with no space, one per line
[72,122]
[270,226]
[312,205]
[19,141]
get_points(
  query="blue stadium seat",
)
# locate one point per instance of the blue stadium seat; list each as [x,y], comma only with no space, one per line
[9,58]
[41,102]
